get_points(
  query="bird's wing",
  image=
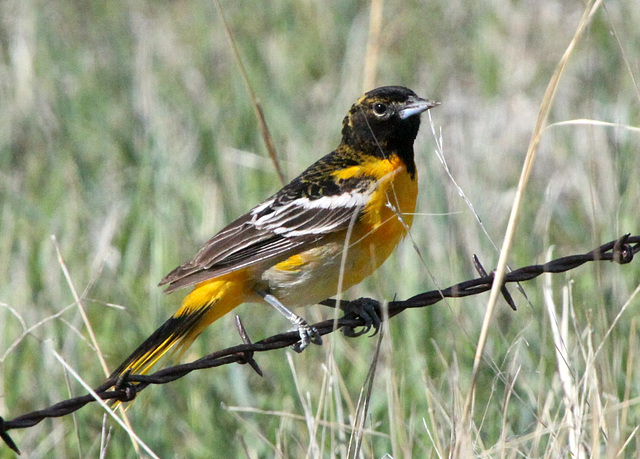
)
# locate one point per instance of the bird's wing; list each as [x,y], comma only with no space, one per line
[276,229]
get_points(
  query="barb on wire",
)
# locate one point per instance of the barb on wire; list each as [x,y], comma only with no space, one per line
[247,356]
[126,387]
[505,292]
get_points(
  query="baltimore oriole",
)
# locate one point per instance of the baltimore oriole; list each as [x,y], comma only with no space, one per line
[289,250]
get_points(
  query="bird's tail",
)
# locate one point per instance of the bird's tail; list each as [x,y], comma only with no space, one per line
[208,301]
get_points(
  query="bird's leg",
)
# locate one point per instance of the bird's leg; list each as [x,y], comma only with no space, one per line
[307,333]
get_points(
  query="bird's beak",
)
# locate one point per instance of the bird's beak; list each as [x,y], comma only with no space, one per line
[415,106]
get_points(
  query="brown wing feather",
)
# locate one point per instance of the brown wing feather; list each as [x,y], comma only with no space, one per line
[276,235]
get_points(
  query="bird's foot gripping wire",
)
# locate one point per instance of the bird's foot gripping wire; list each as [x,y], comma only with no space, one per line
[365,308]
[307,333]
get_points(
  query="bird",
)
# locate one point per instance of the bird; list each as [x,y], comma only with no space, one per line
[323,232]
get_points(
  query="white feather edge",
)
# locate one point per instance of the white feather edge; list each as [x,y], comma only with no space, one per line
[345,200]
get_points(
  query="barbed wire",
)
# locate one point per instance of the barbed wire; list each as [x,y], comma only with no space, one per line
[126,387]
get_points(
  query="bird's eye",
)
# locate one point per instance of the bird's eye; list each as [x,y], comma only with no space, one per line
[379,109]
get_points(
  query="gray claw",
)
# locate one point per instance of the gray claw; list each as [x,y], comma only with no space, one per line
[308,335]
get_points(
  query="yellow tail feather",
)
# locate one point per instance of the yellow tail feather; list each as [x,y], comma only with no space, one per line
[209,301]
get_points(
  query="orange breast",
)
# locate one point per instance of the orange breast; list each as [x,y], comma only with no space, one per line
[386,220]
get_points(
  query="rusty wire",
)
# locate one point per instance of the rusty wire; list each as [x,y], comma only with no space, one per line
[126,387]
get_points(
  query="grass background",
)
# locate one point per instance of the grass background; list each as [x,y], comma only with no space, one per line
[127,132]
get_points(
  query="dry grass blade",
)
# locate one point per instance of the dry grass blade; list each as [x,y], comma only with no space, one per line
[264,129]
[629,377]
[88,388]
[614,32]
[574,413]
[584,122]
[373,45]
[78,301]
[355,442]
[543,115]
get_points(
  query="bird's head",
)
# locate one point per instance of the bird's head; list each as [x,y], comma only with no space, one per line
[386,118]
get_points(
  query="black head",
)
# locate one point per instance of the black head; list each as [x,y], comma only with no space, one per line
[384,120]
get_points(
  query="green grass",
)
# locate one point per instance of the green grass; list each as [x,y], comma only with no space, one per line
[127,133]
